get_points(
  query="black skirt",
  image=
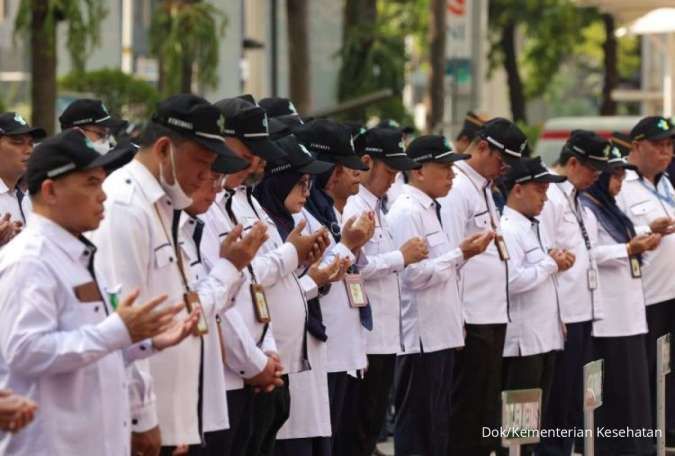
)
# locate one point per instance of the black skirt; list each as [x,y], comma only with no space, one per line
[626,398]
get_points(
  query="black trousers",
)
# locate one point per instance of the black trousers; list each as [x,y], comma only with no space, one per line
[338,383]
[660,321]
[565,411]
[270,412]
[534,371]
[625,395]
[365,407]
[312,446]
[423,403]
[240,407]
[476,391]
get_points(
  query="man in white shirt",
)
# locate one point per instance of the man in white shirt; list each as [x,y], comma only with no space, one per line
[16,145]
[93,118]
[382,150]
[64,343]
[431,316]
[534,333]
[648,199]
[140,249]
[564,221]
[470,208]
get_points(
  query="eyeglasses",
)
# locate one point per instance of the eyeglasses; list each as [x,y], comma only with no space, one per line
[305,185]
[99,132]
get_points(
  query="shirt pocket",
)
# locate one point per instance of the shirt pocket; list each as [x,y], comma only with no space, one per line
[437,241]
[643,209]
[534,255]
[482,221]
[164,255]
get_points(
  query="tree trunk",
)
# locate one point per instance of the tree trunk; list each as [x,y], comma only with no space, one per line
[43,68]
[516,94]
[186,73]
[611,76]
[298,55]
[437,32]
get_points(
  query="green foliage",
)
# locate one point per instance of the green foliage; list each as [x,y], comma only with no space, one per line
[187,31]
[123,94]
[83,21]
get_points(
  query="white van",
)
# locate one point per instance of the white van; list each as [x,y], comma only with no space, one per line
[557,130]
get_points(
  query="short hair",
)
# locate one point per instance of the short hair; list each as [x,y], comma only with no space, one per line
[153,131]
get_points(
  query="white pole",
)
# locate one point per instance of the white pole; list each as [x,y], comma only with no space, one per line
[669,77]
[127,36]
[514,449]
[662,369]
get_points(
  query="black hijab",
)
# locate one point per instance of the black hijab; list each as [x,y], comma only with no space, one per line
[320,204]
[271,193]
[598,199]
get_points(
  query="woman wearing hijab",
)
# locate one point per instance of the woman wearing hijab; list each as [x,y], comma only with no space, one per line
[283,192]
[619,338]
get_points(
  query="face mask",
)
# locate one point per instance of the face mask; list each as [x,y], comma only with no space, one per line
[103,146]
[176,194]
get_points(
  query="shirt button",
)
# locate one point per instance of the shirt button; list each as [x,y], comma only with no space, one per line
[96,309]
[241,372]
[171,259]
[128,181]
[142,347]
[124,423]
[134,421]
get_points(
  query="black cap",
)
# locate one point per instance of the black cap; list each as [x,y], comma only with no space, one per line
[653,128]
[86,111]
[622,142]
[330,141]
[385,144]
[71,151]
[433,148]
[196,119]
[248,123]
[281,109]
[505,136]
[472,124]
[392,124]
[531,170]
[297,158]
[588,147]
[12,124]
[618,160]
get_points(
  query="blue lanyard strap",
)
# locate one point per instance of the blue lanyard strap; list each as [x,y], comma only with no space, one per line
[668,198]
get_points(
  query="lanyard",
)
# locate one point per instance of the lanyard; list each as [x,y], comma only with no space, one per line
[661,197]
[491,209]
[174,243]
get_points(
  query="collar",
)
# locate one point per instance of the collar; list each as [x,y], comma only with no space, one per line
[472,174]
[187,223]
[3,187]
[518,218]
[370,199]
[78,249]
[418,195]
[147,183]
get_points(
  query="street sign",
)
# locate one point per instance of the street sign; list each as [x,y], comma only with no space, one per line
[592,400]
[521,418]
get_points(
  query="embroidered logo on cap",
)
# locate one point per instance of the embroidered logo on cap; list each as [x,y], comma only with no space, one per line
[606,152]
[523,146]
[663,124]
[221,123]
[291,107]
[19,119]
[104,109]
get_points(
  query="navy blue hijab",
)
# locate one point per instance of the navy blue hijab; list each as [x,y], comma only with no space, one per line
[598,199]
[271,193]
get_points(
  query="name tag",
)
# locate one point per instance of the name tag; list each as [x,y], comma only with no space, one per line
[88,292]
[635,269]
[355,290]
[592,279]
[262,312]
[191,300]
[501,247]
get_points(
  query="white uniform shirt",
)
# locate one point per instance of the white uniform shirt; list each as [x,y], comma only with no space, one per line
[380,275]
[639,201]
[246,340]
[561,228]
[285,295]
[137,251]
[431,306]
[535,325]
[66,355]
[346,336]
[620,294]
[9,203]
[216,289]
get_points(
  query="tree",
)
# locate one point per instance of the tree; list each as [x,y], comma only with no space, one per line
[611,73]
[37,20]
[437,32]
[185,36]
[298,55]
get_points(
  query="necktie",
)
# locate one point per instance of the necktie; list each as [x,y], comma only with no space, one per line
[437,206]
[19,197]
[197,237]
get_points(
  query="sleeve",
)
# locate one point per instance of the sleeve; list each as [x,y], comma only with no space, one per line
[525,277]
[217,287]
[138,351]
[428,272]
[606,251]
[274,265]
[309,287]
[455,212]
[242,354]
[124,259]
[32,343]
[268,343]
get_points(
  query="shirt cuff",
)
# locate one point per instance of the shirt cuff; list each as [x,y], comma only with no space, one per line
[642,229]
[455,256]
[259,361]
[140,350]
[550,265]
[225,272]
[289,257]
[309,287]
[144,417]
[114,332]
[343,251]
[396,261]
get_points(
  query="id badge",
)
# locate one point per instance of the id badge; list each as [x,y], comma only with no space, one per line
[501,247]
[635,269]
[592,279]
[355,290]
[262,312]
[191,299]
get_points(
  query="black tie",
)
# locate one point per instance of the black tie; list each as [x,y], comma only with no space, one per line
[91,251]
[19,198]
[437,206]
[197,237]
